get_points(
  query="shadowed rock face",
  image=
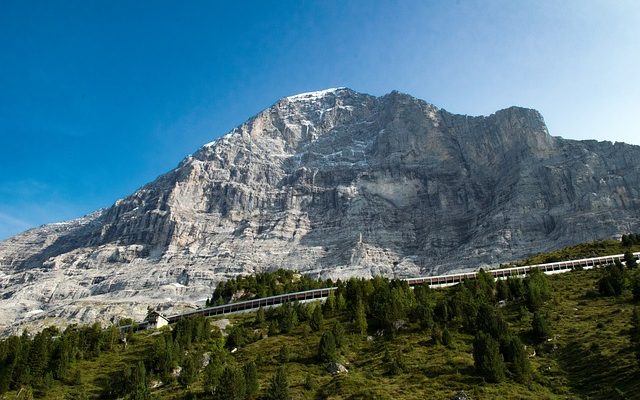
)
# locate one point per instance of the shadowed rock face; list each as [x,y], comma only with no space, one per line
[335,184]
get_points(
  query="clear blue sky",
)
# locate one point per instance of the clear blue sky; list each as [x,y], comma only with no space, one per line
[99,97]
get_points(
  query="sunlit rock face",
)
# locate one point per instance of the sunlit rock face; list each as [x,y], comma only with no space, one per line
[334,184]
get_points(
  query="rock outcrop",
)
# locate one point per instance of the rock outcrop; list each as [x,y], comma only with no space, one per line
[333,183]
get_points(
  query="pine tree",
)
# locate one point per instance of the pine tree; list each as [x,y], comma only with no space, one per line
[516,288]
[338,334]
[536,289]
[212,374]
[330,304]
[251,379]
[447,340]
[316,319]
[284,354]
[288,318]
[612,281]
[189,371]
[630,259]
[486,285]
[520,366]
[38,356]
[489,321]
[327,347]
[260,317]
[442,311]
[279,388]
[237,337]
[138,384]
[341,303]
[360,320]
[502,290]
[232,385]
[539,327]
[487,358]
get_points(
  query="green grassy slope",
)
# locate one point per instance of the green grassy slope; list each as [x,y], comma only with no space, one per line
[589,356]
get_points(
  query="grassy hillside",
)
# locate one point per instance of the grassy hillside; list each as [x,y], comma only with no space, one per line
[587,353]
[584,250]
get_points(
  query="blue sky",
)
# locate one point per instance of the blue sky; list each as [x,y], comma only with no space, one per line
[100,97]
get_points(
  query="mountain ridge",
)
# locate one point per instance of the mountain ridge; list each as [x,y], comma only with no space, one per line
[332,183]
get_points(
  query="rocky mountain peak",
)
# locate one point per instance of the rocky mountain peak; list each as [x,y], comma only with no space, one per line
[333,183]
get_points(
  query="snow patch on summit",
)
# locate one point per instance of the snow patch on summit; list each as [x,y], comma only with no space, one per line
[313,95]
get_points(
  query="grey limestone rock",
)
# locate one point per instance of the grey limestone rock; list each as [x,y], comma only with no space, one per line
[334,184]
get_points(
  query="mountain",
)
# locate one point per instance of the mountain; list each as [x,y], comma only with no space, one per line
[332,183]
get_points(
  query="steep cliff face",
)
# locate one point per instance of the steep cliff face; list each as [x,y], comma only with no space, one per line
[332,183]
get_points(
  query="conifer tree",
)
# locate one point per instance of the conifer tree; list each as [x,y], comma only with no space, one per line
[341,303]
[502,290]
[279,388]
[485,284]
[138,385]
[360,320]
[251,379]
[520,366]
[232,385]
[288,318]
[612,281]
[516,288]
[189,371]
[316,319]
[329,305]
[284,354]
[212,374]
[540,327]
[260,317]
[536,289]
[487,358]
[338,334]
[327,347]
[447,340]
[630,259]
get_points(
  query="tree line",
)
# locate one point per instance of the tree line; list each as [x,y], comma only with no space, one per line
[264,284]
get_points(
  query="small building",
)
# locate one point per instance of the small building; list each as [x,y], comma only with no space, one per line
[155,320]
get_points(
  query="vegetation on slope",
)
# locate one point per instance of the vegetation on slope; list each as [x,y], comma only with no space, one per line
[247,287]
[576,334]
[596,248]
